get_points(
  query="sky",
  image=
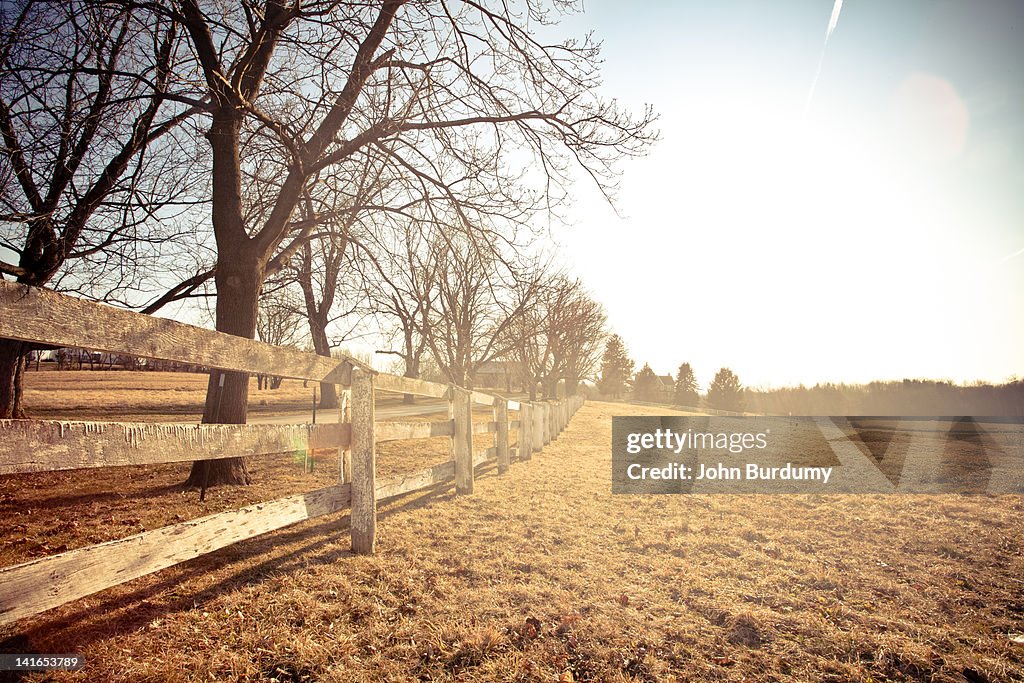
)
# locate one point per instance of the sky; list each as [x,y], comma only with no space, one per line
[873,232]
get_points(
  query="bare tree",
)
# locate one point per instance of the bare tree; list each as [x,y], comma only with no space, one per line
[578,332]
[317,268]
[278,322]
[529,341]
[559,336]
[325,266]
[464,99]
[83,95]
[479,300]
[403,287]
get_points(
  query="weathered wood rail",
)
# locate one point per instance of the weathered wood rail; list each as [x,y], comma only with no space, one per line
[45,317]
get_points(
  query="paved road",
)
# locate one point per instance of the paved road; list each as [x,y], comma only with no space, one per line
[385,412]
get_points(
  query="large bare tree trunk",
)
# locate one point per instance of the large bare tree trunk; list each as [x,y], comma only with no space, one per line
[322,346]
[549,388]
[239,278]
[412,363]
[412,371]
[12,368]
[237,296]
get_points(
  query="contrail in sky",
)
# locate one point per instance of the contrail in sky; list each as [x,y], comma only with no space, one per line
[1010,257]
[833,21]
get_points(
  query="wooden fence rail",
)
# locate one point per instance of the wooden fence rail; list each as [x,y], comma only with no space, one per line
[45,317]
[49,445]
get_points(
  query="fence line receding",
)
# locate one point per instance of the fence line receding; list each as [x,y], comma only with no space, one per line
[44,317]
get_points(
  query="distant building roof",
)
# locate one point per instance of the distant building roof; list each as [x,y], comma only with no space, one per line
[496,367]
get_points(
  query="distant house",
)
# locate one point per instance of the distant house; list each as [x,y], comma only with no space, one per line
[662,392]
[666,388]
[495,374]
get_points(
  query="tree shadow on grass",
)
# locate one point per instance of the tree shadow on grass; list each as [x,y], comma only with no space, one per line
[59,501]
[91,619]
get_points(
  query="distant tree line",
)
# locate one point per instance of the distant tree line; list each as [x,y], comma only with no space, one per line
[907,397]
[617,380]
[726,392]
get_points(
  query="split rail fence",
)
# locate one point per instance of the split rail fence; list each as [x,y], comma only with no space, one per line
[45,317]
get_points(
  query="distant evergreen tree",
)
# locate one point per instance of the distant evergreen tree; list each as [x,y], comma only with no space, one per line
[616,368]
[645,384]
[726,392]
[686,387]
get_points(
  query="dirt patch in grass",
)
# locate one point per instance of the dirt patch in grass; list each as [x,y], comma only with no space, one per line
[544,575]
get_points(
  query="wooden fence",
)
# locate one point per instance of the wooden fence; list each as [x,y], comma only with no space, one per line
[46,317]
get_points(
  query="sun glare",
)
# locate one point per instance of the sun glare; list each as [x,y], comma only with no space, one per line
[838,237]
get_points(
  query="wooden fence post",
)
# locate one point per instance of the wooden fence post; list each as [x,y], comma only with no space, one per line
[545,424]
[344,389]
[364,481]
[460,409]
[538,426]
[501,435]
[345,450]
[525,447]
[549,417]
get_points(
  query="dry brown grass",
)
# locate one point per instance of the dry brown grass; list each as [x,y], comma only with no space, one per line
[146,396]
[544,574]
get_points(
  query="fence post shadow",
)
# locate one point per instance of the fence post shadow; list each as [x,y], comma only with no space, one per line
[41,316]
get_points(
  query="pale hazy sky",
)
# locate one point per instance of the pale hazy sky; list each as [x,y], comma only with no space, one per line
[879,238]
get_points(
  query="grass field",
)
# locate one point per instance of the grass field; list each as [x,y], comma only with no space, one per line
[144,396]
[541,575]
